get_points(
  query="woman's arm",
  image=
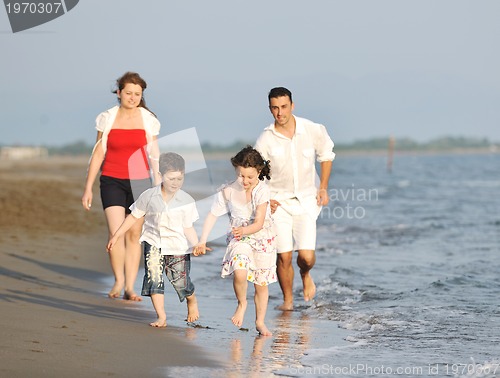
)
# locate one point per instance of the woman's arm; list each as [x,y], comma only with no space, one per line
[94,165]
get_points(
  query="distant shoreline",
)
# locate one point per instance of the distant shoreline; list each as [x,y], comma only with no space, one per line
[226,155]
[451,151]
[220,155]
[368,147]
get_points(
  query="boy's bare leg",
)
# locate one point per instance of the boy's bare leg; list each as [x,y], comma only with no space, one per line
[158,301]
[306,261]
[261,299]
[132,260]
[192,307]
[240,285]
[285,278]
[115,215]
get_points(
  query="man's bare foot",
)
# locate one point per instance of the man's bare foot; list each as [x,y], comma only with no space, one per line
[159,323]
[239,314]
[192,305]
[285,306]
[262,329]
[131,296]
[309,286]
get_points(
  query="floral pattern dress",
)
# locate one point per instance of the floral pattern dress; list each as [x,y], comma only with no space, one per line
[256,253]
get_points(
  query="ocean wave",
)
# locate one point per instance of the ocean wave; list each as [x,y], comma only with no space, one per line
[473,369]
[480,183]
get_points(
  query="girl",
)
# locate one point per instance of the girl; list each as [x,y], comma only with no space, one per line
[251,250]
[127,150]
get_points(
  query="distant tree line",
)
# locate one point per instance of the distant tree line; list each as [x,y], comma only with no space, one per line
[407,144]
[83,148]
[76,148]
[380,143]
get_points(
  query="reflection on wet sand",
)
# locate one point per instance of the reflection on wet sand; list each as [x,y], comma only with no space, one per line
[254,365]
[190,333]
[291,334]
[246,355]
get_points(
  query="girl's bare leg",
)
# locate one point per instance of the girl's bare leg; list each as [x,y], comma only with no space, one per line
[158,301]
[240,286]
[261,299]
[115,215]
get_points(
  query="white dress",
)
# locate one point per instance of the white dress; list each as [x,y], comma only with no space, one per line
[256,253]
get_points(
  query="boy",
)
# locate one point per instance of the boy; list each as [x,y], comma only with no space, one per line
[167,235]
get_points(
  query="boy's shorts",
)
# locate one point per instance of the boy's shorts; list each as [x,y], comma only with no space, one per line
[176,267]
[121,192]
[295,226]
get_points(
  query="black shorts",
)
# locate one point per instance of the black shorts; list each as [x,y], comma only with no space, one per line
[121,192]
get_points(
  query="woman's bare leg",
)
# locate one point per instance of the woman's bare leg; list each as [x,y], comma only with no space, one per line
[132,259]
[115,215]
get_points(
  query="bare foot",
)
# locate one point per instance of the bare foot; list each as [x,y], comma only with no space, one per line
[192,305]
[285,307]
[113,294]
[262,329]
[115,291]
[309,286]
[131,297]
[239,314]
[159,323]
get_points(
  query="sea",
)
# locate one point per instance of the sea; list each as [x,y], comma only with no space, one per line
[407,275]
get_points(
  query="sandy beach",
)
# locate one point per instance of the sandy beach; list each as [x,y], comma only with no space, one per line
[55,317]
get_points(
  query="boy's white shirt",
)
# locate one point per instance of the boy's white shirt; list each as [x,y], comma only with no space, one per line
[164,223]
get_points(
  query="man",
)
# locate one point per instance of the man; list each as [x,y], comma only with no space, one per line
[292,145]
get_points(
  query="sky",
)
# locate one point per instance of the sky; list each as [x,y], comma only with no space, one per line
[419,69]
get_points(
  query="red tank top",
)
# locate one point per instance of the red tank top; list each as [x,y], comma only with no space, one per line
[126,154]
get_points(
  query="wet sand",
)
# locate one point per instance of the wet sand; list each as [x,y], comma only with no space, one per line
[55,317]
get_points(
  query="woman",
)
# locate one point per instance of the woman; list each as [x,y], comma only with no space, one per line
[127,151]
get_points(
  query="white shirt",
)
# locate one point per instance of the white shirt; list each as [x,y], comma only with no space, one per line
[231,198]
[293,170]
[105,120]
[164,223]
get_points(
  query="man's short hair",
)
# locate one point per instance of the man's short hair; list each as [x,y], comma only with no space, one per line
[279,92]
[170,161]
